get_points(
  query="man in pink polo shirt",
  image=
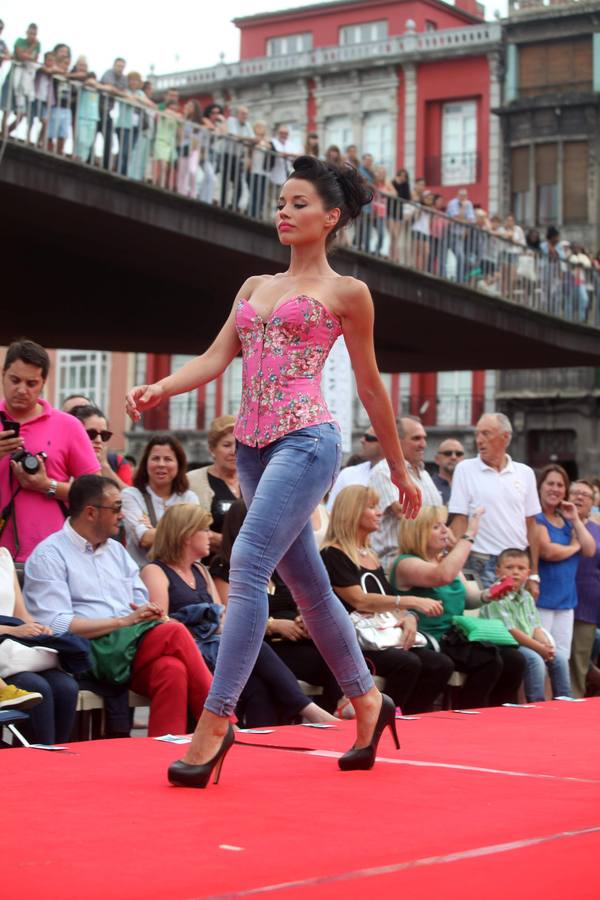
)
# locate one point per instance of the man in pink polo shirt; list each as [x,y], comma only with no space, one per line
[32,505]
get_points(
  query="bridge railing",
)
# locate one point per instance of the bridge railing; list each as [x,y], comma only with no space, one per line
[131,137]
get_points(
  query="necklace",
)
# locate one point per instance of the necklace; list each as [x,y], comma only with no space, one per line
[364,551]
[189,579]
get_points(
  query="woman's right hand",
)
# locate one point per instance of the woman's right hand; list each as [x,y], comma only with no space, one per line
[141,398]
[287,629]
[30,630]
[427,606]
[473,526]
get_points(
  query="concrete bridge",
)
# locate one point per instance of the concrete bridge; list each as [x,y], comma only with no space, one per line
[96,261]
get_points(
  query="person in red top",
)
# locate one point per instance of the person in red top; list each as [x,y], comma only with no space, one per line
[51,448]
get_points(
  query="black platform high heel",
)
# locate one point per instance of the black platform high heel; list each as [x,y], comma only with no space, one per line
[186,775]
[364,757]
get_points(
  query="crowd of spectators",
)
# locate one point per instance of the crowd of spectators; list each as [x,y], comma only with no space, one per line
[218,155]
[125,571]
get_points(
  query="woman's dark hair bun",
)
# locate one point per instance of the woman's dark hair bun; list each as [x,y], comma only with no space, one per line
[341,187]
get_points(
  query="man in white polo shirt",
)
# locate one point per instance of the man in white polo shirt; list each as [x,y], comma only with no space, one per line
[508,493]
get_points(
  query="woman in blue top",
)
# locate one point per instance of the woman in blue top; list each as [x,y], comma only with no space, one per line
[563,539]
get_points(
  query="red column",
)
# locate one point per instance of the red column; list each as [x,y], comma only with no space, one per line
[201,408]
[478,395]
[219,396]
[429,397]
[395,393]
[158,366]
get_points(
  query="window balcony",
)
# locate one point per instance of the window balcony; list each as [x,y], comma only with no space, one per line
[453,168]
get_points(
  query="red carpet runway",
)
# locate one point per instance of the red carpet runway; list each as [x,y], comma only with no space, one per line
[504,803]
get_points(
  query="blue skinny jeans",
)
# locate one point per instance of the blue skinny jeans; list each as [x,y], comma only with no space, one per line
[535,675]
[282,484]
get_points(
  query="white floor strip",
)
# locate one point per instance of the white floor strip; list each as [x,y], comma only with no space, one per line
[476,852]
[333,754]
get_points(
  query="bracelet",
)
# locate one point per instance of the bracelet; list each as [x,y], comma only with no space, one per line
[469,538]
[51,492]
[397,604]
[485,596]
[269,628]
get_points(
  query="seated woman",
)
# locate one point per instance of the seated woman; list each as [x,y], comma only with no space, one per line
[494,674]
[51,720]
[286,633]
[183,588]
[160,482]
[217,485]
[112,465]
[413,677]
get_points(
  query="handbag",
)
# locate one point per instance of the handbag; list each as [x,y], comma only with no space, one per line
[492,631]
[113,654]
[16,657]
[379,631]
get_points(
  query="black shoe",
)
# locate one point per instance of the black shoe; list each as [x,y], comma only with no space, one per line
[364,757]
[187,775]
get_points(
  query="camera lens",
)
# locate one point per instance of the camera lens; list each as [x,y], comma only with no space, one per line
[31,464]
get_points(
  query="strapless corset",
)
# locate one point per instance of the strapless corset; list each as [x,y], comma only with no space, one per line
[283,359]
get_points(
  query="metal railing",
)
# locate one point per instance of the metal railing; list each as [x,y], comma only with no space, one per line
[132,138]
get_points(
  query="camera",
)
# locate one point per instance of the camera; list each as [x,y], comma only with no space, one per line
[29,461]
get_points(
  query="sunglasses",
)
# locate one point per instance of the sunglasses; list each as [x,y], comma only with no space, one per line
[104,436]
[369,438]
[117,508]
[452,452]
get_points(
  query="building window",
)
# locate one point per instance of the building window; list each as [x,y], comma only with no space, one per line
[430,26]
[378,139]
[364,33]
[338,131]
[183,409]
[289,43]
[575,190]
[521,196]
[455,395]
[546,184]
[83,372]
[232,387]
[548,67]
[459,143]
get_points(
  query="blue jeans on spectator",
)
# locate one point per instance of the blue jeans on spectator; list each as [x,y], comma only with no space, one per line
[51,721]
[282,484]
[484,567]
[535,675]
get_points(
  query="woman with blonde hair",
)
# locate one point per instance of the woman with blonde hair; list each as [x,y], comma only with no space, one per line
[413,677]
[217,485]
[183,588]
[430,567]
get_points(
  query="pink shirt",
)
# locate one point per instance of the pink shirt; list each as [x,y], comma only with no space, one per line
[70,454]
[282,363]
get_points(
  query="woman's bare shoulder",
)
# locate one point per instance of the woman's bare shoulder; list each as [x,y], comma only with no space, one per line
[252,284]
[350,292]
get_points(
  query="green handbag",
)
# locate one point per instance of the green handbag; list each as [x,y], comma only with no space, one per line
[491,630]
[113,654]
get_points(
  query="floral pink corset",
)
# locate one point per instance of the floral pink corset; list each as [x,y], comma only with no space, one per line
[282,363]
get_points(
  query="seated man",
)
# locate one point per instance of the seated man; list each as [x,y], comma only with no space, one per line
[79,580]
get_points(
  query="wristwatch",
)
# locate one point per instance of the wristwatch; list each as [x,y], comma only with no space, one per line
[469,538]
[51,492]
[535,578]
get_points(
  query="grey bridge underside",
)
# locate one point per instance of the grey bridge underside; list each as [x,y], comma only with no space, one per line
[94,261]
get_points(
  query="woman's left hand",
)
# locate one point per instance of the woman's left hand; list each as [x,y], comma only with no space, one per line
[568,511]
[410,496]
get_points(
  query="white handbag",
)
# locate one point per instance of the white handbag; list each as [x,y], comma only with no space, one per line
[16,657]
[380,631]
